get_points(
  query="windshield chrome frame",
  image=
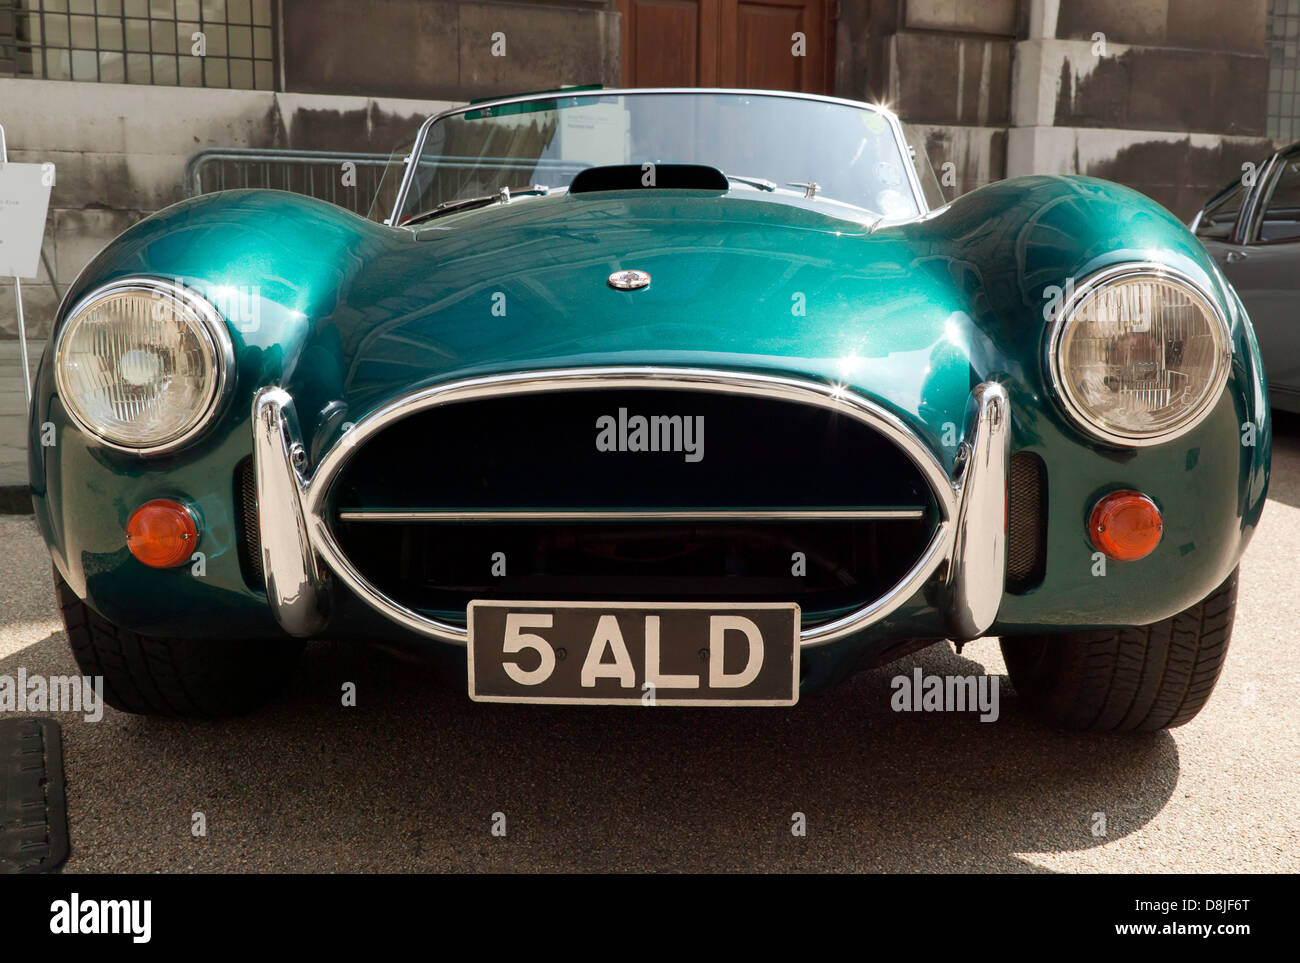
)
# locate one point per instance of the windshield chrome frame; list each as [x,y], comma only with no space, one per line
[900,141]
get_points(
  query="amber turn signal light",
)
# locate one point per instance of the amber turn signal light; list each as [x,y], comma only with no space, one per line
[1126,526]
[161,533]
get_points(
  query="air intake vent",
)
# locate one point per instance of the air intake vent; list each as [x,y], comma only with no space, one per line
[250,537]
[1026,523]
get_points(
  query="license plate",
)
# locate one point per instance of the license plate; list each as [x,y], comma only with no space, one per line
[625,653]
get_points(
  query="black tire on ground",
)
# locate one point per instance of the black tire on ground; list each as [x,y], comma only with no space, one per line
[1140,679]
[174,677]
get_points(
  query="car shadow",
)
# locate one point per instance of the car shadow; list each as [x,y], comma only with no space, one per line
[1284,483]
[411,778]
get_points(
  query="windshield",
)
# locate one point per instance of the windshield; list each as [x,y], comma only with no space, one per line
[850,153]
[1219,217]
[385,196]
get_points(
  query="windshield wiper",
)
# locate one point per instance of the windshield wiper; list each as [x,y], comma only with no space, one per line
[762,183]
[809,190]
[502,196]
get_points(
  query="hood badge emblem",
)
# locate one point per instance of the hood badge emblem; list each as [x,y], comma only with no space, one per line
[630,280]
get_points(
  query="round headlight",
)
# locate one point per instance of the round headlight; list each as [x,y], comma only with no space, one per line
[1139,354]
[142,364]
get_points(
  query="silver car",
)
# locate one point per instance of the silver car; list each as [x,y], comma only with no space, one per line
[1252,229]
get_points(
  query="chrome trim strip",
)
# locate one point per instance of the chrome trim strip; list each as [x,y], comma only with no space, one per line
[295,585]
[686,514]
[972,591]
[900,139]
[212,326]
[298,593]
[1246,228]
[1087,286]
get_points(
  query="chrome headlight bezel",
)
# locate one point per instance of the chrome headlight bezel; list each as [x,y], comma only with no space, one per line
[212,332]
[1088,286]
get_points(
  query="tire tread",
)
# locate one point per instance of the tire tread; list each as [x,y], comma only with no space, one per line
[1141,678]
[171,676]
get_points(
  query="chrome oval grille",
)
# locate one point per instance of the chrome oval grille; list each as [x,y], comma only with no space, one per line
[512,497]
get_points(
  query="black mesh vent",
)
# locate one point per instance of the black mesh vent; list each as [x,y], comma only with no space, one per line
[1026,523]
[250,539]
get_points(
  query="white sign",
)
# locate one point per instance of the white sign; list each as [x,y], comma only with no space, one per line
[24,199]
[594,134]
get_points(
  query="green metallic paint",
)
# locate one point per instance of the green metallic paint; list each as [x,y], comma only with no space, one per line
[912,315]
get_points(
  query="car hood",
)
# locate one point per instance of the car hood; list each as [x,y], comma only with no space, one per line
[737,282]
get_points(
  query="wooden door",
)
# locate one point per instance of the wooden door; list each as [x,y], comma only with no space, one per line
[762,44]
[761,48]
[670,43]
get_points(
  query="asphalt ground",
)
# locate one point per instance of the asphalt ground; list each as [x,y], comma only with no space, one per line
[412,777]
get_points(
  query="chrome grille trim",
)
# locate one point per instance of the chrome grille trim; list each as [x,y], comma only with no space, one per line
[674,515]
[973,590]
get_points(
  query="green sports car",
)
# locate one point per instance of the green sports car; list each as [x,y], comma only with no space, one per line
[656,397]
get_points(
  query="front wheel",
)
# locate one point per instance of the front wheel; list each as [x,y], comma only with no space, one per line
[169,676]
[1141,679]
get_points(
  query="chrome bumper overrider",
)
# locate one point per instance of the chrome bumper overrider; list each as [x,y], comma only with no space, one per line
[967,550]
[295,584]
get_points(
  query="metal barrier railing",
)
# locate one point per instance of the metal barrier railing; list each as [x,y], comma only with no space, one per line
[319,174]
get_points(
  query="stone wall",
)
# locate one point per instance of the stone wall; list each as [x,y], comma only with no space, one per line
[945,66]
[1167,96]
[458,49]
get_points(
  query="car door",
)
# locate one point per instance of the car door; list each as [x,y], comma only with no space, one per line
[1260,255]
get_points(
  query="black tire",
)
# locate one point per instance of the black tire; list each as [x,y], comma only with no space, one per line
[1139,679]
[174,677]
